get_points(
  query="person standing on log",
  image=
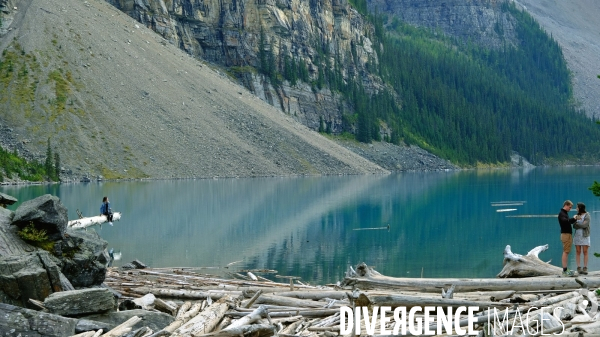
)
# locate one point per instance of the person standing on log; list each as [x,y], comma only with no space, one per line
[566,234]
[581,239]
[106,210]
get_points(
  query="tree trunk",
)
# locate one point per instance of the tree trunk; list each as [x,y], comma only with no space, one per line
[409,301]
[255,330]
[123,328]
[91,221]
[207,320]
[252,317]
[366,278]
[516,265]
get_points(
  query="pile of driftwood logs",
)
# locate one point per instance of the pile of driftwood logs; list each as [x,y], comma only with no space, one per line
[250,305]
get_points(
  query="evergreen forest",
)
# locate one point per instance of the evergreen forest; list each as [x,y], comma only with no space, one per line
[458,100]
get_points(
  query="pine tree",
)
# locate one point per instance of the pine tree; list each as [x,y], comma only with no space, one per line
[48,167]
[56,165]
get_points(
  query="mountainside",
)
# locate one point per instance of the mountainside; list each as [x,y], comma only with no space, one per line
[297,35]
[118,100]
[480,21]
[573,24]
[330,65]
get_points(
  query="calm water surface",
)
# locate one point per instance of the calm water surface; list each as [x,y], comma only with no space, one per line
[442,224]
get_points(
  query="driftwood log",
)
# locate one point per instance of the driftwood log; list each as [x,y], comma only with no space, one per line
[207,320]
[91,221]
[367,278]
[270,308]
[516,265]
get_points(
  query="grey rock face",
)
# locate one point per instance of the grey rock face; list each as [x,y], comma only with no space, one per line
[45,212]
[16,321]
[80,302]
[32,275]
[83,257]
[480,21]
[229,34]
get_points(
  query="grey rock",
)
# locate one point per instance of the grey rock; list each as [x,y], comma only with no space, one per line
[45,212]
[6,199]
[83,257]
[135,264]
[475,20]
[17,321]
[6,216]
[32,275]
[128,305]
[10,242]
[154,320]
[84,325]
[80,302]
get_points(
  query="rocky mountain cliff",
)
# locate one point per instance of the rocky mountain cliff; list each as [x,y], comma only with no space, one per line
[479,21]
[228,33]
[233,33]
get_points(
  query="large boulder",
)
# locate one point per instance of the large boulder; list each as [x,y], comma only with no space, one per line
[33,275]
[16,321]
[80,302]
[45,212]
[6,199]
[83,257]
[6,216]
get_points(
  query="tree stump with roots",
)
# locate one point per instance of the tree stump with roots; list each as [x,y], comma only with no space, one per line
[517,265]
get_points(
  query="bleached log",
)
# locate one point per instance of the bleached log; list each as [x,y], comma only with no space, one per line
[262,330]
[224,323]
[252,317]
[98,333]
[288,301]
[544,302]
[183,318]
[184,293]
[409,301]
[91,221]
[377,281]
[165,307]
[183,308]
[252,276]
[291,329]
[448,294]
[252,299]
[305,313]
[290,319]
[207,320]
[123,328]
[516,265]
[314,294]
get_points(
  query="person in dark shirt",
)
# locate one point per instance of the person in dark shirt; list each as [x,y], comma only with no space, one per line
[106,210]
[566,234]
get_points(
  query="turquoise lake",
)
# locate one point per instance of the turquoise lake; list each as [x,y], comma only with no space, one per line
[442,224]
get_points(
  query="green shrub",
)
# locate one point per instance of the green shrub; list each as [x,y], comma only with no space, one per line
[32,234]
[36,237]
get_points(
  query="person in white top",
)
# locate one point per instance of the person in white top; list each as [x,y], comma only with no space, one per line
[581,239]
